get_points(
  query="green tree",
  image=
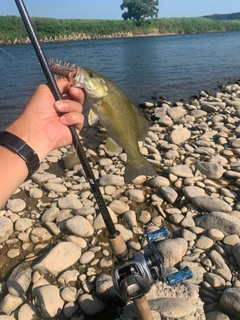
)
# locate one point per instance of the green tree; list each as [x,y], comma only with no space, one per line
[138,10]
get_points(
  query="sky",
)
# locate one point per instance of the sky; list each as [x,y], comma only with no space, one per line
[110,9]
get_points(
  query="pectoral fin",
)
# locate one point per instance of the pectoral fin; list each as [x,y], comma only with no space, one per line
[112,148]
[92,117]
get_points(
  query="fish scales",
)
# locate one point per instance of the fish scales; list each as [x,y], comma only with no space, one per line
[110,105]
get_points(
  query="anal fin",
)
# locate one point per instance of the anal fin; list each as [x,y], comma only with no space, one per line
[112,148]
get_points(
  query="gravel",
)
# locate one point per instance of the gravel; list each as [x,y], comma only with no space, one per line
[55,257]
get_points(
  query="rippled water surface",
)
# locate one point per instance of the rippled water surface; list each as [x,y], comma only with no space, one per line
[175,66]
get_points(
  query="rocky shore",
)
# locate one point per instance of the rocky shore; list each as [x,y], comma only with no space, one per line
[55,258]
[82,36]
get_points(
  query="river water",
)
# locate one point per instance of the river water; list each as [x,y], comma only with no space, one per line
[175,66]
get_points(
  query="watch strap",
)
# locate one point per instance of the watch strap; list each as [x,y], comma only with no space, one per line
[21,148]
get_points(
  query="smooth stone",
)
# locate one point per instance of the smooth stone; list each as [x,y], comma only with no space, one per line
[216,315]
[236,253]
[111,179]
[118,206]
[50,214]
[91,304]
[10,303]
[71,201]
[208,203]
[181,171]
[26,311]
[135,195]
[35,193]
[99,221]
[204,242]
[41,178]
[87,257]
[217,260]
[173,250]
[23,224]
[16,205]
[130,218]
[176,113]
[229,301]
[143,216]
[219,220]
[20,279]
[68,294]
[169,194]
[179,136]
[158,182]
[175,308]
[80,226]
[61,257]
[215,280]
[215,234]
[105,289]
[6,228]
[210,169]
[49,302]
[39,235]
[193,191]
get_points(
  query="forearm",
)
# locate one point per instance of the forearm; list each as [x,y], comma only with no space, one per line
[13,171]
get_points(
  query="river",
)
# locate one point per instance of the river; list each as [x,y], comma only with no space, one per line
[175,66]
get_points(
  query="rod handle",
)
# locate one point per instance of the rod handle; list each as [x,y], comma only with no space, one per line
[118,246]
[143,308]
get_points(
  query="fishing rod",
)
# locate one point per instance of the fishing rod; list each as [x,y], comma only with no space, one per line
[132,278]
[115,238]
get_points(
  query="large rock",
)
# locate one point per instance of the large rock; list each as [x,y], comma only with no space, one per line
[207,203]
[221,221]
[173,250]
[230,301]
[61,257]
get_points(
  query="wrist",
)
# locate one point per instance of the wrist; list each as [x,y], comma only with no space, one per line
[22,149]
[32,136]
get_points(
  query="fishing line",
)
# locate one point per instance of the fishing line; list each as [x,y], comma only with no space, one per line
[10,54]
[17,60]
[113,233]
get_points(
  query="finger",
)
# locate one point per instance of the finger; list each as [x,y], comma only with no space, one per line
[65,106]
[73,119]
[77,94]
[63,85]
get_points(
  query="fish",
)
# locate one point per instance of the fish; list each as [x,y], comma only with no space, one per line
[109,105]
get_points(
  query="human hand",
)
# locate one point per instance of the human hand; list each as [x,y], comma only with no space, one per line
[42,126]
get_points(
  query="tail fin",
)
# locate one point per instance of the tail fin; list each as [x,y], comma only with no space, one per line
[138,167]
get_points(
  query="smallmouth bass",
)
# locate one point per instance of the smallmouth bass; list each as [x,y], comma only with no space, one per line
[110,105]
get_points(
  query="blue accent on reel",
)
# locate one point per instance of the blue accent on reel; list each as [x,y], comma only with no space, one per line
[180,276]
[158,234]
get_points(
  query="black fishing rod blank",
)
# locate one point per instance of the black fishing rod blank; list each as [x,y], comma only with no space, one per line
[113,233]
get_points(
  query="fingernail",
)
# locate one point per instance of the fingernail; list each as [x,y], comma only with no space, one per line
[60,105]
[63,119]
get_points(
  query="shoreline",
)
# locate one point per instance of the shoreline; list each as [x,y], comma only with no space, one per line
[83,37]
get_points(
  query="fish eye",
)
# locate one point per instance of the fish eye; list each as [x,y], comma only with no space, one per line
[91,75]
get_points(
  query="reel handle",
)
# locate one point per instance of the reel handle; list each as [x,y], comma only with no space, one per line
[180,276]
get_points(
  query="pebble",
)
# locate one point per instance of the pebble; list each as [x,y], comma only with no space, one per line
[62,242]
[6,228]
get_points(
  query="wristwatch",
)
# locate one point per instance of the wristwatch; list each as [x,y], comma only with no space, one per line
[21,148]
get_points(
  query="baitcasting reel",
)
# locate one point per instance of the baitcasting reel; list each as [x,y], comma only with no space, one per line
[133,278]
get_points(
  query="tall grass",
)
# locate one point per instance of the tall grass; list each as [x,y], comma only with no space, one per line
[11,27]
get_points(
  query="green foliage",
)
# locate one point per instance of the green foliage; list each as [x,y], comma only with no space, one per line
[138,10]
[229,16]
[11,27]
